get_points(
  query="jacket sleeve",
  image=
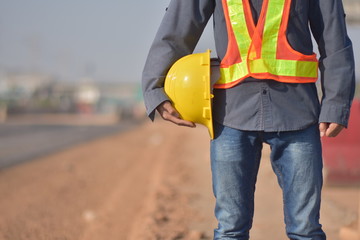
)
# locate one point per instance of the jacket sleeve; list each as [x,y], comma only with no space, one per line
[336,63]
[177,36]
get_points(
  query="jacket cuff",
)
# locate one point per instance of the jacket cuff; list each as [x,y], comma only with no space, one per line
[335,114]
[152,99]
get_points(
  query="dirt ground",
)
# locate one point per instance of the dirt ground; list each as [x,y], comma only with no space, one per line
[151,183]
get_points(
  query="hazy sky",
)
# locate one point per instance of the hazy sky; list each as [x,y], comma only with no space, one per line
[107,40]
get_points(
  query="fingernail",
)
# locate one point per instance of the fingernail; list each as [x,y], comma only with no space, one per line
[322,134]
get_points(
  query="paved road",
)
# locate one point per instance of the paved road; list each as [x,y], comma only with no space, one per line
[20,143]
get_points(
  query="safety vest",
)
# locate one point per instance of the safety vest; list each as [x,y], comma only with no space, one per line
[262,51]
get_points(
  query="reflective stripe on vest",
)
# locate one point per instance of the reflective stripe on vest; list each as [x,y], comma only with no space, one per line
[262,51]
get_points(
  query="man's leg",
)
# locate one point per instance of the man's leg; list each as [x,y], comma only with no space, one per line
[235,157]
[297,161]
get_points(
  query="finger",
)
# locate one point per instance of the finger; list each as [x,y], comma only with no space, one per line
[334,130]
[322,127]
[166,109]
[172,115]
[162,108]
[177,120]
[185,123]
[167,112]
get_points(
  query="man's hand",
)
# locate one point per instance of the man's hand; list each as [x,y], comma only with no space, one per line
[169,113]
[330,129]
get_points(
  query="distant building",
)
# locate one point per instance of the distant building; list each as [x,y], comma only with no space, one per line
[17,89]
[54,97]
[21,85]
[87,96]
[36,93]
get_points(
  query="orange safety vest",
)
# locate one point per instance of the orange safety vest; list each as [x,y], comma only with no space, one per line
[262,51]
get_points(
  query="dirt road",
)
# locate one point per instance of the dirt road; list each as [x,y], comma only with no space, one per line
[150,183]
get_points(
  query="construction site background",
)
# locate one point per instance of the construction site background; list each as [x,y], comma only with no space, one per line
[80,160]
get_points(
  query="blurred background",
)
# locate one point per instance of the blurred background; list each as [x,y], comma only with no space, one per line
[70,72]
[74,63]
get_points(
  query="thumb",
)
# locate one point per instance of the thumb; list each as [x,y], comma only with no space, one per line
[323,127]
[171,110]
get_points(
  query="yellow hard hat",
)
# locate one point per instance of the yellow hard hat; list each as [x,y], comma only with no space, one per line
[188,86]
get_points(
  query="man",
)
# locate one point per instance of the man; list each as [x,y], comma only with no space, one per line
[266,94]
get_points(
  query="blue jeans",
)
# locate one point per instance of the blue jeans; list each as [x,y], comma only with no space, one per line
[296,160]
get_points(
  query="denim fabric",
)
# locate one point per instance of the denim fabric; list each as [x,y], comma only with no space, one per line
[296,160]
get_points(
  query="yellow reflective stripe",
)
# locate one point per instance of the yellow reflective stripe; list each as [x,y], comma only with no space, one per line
[232,73]
[272,28]
[281,67]
[268,62]
[238,23]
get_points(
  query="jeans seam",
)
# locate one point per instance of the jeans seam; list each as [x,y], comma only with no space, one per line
[281,183]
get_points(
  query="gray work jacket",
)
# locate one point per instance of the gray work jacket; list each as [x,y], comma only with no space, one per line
[261,105]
